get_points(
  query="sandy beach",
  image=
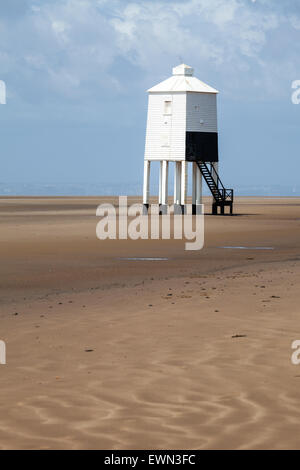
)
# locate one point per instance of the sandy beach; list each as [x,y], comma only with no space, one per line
[189,352]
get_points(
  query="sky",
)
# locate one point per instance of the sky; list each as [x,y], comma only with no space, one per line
[76,74]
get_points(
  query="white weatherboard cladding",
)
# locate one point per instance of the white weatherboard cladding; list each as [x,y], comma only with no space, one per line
[201,112]
[178,127]
[165,137]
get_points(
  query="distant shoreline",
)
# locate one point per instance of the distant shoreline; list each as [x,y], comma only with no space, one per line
[131,196]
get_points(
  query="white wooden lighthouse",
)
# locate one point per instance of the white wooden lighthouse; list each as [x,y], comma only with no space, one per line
[182,128]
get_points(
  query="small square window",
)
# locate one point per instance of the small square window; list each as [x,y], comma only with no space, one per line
[168,107]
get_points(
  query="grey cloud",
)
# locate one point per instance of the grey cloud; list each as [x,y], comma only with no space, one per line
[71,48]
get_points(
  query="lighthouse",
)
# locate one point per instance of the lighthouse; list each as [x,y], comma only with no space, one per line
[182,128]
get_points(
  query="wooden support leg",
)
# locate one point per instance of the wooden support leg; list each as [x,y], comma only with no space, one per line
[146,186]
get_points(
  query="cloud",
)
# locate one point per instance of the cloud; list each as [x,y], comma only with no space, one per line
[76,49]
[237,41]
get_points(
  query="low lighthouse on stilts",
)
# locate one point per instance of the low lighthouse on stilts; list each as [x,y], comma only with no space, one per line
[182,128]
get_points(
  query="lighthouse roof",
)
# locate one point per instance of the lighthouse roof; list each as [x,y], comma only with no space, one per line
[182,80]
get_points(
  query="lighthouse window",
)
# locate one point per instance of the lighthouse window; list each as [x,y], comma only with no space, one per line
[168,107]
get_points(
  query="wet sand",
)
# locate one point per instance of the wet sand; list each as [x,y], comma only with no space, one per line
[190,352]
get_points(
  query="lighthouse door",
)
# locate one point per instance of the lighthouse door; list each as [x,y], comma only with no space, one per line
[167,124]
